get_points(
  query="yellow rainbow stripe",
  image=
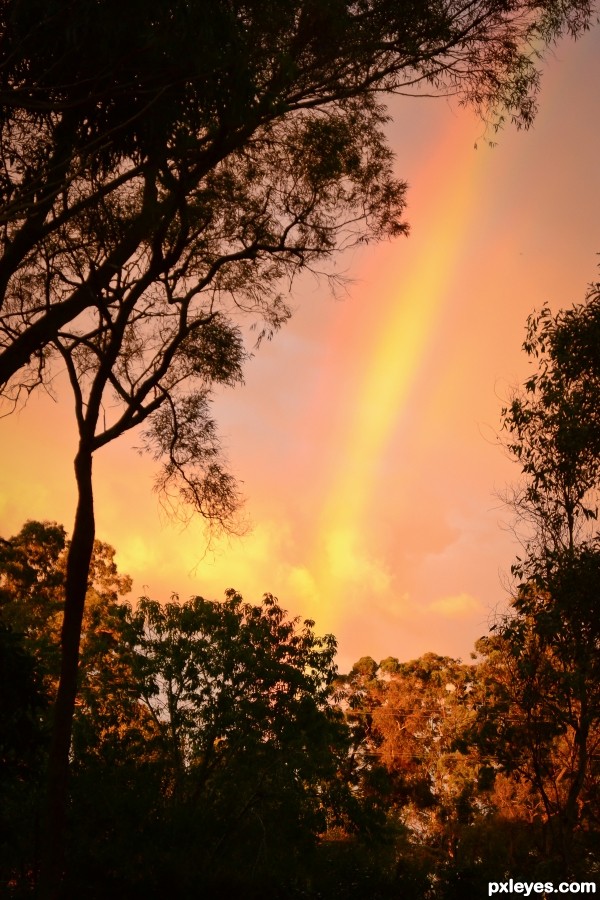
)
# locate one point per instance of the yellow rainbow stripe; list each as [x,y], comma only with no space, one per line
[394,364]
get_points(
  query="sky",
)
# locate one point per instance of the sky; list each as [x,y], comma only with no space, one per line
[366,435]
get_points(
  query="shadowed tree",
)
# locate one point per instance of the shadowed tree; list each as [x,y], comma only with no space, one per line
[31,590]
[544,709]
[138,106]
[235,699]
[32,578]
[540,715]
[553,430]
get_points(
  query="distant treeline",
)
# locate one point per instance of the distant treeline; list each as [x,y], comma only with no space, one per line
[217,752]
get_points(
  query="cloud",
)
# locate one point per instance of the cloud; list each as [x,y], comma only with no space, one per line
[457,606]
[302,585]
[348,564]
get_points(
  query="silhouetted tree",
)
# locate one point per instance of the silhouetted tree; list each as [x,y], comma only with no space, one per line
[544,713]
[249,744]
[23,708]
[32,591]
[155,366]
[32,580]
[553,429]
[110,106]
[540,715]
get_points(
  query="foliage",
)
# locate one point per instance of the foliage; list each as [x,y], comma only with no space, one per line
[205,749]
[210,750]
[238,769]
[31,581]
[189,137]
[30,610]
[417,761]
[32,574]
[554,429]
[542,718]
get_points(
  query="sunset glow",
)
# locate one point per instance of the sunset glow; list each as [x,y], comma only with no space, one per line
[396,356]
[365,437]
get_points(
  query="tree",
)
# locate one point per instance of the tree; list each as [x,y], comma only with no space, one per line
[164,175]
[545,720]
[553,429]
[32,580]
[540,719]
[225,678]
[102,103]
[31,591]
[245,743]
[417,761]
[203,727]
[23,710]
[32,577]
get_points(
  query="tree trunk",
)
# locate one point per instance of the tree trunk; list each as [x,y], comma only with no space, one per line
[76,583]
[570,812]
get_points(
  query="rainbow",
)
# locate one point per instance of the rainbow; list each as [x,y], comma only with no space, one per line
[392,364]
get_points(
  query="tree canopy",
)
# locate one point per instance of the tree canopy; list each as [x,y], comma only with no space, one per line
[217,716]
[553,428]
[215,748]
[543,710]
[156,138]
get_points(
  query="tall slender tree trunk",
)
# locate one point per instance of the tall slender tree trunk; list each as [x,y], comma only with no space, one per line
[76,584]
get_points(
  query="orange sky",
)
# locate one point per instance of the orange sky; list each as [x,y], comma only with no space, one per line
[365,433]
